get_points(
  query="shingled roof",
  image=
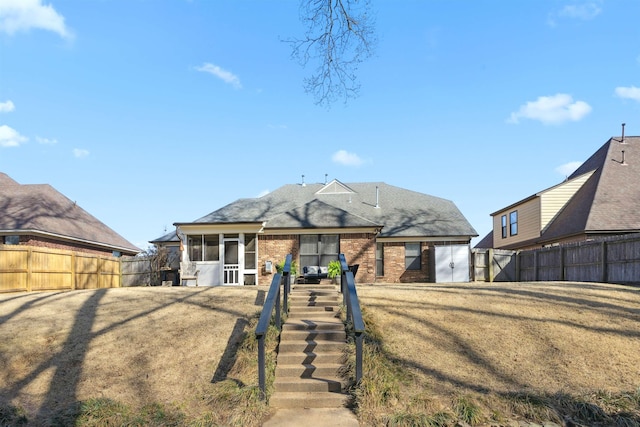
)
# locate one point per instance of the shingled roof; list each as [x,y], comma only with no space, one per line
[609,200]
[41,210]
[395,211]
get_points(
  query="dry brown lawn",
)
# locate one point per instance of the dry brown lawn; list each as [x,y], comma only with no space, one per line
[487,340]
[133,345]
[166,345]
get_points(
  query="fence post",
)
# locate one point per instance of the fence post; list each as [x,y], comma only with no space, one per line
[604,262]
[358,357]
[278,306]
[262,380]
[287,283]
[562,275]
[535,266]
[490,264]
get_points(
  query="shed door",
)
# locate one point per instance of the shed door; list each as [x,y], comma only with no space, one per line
[452,263]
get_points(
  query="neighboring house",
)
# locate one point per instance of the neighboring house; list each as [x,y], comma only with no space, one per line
[393,234]
[601,198]
[38,215]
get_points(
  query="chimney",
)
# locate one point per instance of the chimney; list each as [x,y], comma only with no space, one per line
[303,184]
[623,134]
[377,197]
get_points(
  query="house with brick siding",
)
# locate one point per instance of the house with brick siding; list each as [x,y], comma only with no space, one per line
[393,234]
[39,215]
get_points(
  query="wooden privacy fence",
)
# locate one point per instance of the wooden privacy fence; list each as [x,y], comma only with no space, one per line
[610,260]
[493,265]
[136,271]
[27,268]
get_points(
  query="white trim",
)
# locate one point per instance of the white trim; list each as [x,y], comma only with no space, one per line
[449,239]
[220,228]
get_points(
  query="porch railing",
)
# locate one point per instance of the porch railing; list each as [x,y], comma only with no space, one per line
[271,302]
[354,313]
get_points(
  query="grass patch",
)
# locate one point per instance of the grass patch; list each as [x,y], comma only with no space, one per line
[234,401]
[393,393]
[12,416]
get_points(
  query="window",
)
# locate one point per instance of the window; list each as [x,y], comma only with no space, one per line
[249,252]
[11,240]
[211,247]
[503,221]
[412,258]
[513,223]
[319,249]
[210,243]
[380,259]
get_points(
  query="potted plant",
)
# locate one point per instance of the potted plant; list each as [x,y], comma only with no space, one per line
[333,270]
[293,271]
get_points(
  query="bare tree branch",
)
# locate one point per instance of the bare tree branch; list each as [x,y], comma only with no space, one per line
[340,35]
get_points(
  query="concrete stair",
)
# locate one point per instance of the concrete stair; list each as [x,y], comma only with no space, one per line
[310,353]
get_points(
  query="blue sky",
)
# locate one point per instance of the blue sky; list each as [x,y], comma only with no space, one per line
[148,112]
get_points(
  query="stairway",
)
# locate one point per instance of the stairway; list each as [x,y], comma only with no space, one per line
[310,351]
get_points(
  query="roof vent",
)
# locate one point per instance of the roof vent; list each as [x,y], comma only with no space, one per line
[623,162]
[325,178]
[622,141]
[303,184]
[377,197]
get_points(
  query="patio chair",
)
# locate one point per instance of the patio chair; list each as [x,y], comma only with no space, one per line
[188,271]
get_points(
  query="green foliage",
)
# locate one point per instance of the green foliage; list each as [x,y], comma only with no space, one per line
[333,269]
[467,410]
[293,271]
[409,419]
[107,412]
[12,416]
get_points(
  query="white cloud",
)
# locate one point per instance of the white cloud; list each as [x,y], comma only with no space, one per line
[10,137]
[584,11]
[46,141]
[568,168]
[222,74]
[631,92]
[23,15]
[343,157]
[7,107]
[79,153]
[554,109]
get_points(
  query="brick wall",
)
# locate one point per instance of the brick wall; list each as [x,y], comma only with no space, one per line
[394,265]
[360,248]
[275,249]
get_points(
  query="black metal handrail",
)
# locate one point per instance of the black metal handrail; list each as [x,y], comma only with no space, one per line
[272,301]
[354,313]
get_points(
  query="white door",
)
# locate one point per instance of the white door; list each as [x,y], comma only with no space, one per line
[231,266]
[452,263]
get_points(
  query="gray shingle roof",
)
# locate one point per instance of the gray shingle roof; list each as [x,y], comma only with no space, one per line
[400,212]
[609,201]
[39,208]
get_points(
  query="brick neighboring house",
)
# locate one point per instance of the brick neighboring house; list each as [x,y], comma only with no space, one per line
[394,234]
[601,198]
[38,215]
